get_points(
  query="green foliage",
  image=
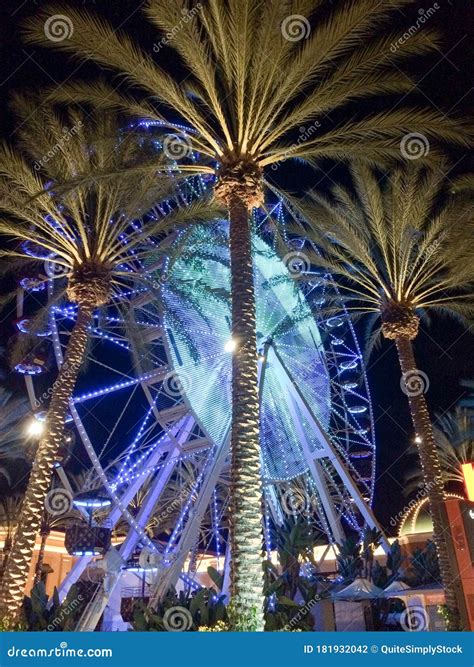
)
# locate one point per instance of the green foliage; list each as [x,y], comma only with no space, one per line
[282,611]
[379,575]
[454,437]
[371,539]
[424,565]
[215,577]
[59,617]
[394,560]
[395,239]
[242,622]
[246,89]
[205,607]
[450,618]
[348,559]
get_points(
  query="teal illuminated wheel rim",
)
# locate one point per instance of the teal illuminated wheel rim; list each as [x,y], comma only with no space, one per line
[284,319]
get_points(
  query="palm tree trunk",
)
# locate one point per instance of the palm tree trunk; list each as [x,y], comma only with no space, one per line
[246,536]
[40,478]
[39,562]
[7,547]
[433,479]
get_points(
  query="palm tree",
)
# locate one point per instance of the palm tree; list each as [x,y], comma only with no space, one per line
[12,437]
[398,252]
[10,506]
[50,521]
[94,251]
[454,437]
[249,85]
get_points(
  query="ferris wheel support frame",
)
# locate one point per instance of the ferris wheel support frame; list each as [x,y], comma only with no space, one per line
[115,514]
[330,452]
[191,530]
[103,594]
[332,520]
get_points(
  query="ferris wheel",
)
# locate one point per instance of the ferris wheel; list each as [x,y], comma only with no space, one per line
[154,403]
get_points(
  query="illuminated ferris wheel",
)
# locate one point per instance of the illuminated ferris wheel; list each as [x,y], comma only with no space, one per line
[154,404]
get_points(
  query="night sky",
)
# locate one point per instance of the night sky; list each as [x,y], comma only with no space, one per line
[444,350]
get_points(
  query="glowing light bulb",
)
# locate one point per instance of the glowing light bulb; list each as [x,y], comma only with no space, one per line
[230,345]
[418,440]
[35,428]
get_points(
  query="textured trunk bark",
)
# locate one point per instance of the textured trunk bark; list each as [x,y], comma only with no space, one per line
[39,562]
[432,476]
[7,547]
[29,522]
[246,536]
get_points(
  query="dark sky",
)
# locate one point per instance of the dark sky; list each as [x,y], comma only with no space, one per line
[445,350]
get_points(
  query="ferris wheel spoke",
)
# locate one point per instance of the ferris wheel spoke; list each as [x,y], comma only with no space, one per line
[210,475]
[331,453]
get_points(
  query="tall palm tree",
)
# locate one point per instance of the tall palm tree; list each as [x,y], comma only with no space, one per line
[249,85]
[10,506]
[454,437]
[50,521]
[95,252]
[398,252]
[13,410]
